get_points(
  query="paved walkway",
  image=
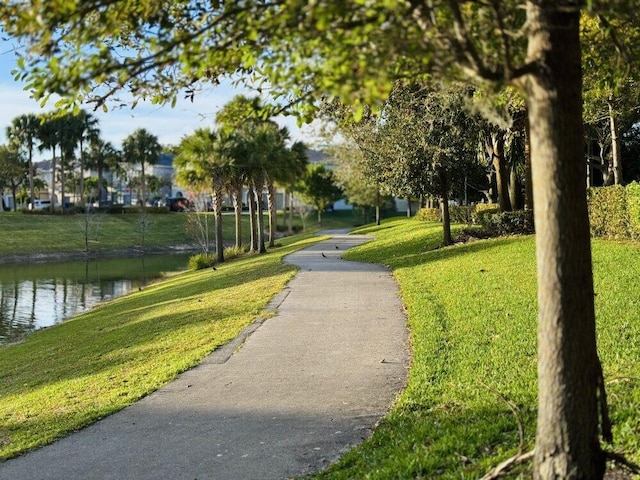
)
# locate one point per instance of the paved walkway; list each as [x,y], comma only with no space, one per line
[305,386]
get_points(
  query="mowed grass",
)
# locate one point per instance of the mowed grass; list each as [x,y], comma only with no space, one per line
[472,316]
[23,233]
[68,376]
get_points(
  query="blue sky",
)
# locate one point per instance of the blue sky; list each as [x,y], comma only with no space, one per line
[168,124]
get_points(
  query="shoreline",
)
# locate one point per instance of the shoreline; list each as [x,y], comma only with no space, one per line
[54,257]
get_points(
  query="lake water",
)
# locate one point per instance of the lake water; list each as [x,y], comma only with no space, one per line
[34,296]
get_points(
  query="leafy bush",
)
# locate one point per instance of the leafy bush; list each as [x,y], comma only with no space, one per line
[233,252]
[519,222]
[608,215]
[428,214]
[633,209]
[462,214]
[201,261]
[482,210]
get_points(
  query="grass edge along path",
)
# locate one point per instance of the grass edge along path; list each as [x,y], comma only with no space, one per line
[63,378]
[472,318]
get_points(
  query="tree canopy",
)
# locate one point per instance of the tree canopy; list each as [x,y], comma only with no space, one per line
[93,50]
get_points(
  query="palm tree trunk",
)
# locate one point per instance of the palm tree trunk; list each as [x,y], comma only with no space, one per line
[62,182]
[271,198]
[237,209]
[81,175]
[252,219]
[290,228]
[53,180]
[217,208]
[260,214]
[31,174]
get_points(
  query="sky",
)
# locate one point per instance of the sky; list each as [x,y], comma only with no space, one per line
[168,124]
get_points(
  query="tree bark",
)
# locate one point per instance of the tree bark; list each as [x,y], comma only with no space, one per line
[217,209]
[502,172]
[528,182]
[615,146]
[252,220]
[271,200]
[237,209]
[260,214]
[569,373]
[290,224]
[53,180]
[446,217]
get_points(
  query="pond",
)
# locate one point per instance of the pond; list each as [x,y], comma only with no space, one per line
[34,296]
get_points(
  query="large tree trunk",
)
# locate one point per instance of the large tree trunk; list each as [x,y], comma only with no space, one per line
[502,172]
[570,377]
[615,146]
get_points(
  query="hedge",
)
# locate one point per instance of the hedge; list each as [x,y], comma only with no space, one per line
[614,213]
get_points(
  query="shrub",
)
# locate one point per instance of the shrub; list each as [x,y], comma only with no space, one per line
[633,209]
[608,216]
[201,261]
[462,214]
[482,210]
[428,214]
[233,252]
[519,222]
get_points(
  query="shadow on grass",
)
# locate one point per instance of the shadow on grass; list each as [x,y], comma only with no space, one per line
[443,440]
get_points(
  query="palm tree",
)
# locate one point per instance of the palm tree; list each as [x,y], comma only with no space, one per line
[23,132]
[141,148]
[101,154]
[86,130]
[276,165]
[297,169]
[48,134]
[204,158]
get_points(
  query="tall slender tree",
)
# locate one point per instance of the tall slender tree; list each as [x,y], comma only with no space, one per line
[204,158]
[23,132]
[141,148]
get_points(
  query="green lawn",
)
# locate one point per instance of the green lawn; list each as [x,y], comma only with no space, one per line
[472,314]
[23,233]
[64,377]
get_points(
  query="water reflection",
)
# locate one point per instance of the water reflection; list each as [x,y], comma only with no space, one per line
[40,295]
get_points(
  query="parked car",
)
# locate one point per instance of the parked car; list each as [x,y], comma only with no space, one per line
[40,205]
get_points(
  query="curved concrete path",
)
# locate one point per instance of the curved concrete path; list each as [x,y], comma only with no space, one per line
[305,386]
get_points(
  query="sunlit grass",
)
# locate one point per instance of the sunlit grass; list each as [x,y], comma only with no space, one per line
[472,315]
[23,233]
[65,377]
